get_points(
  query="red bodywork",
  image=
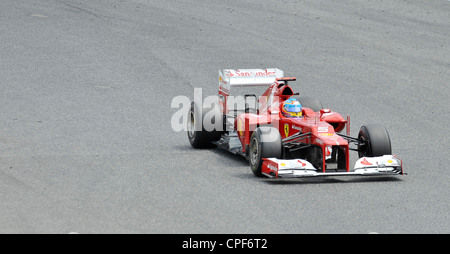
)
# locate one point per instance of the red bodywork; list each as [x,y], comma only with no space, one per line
[321,125]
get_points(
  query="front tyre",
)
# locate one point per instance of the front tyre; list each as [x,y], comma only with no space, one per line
[265,142]
[373,140]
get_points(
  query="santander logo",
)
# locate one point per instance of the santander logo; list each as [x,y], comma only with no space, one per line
[366,162]
[239,73]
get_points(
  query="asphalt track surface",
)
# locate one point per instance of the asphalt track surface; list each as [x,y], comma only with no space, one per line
[87,146]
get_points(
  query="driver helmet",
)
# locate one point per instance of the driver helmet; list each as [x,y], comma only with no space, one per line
[291,108]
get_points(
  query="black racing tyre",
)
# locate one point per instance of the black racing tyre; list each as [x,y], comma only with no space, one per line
[264,143]
[373,140]
[310,102]
[202,133]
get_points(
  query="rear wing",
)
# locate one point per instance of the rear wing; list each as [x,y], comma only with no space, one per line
[242,78]
[247,77]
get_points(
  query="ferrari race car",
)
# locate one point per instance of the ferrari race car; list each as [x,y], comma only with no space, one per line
[309,144]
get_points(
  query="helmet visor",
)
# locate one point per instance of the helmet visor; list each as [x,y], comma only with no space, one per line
[293,108]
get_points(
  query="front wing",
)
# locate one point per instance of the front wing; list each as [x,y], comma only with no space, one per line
[365,166]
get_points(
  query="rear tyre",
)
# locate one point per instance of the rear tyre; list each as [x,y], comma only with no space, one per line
[202,133]
[265,142]
[373,140]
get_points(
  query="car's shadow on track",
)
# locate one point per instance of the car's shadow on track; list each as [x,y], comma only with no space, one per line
[332,180]
[230,156]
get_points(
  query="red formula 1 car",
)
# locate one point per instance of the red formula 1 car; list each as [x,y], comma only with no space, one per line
[306,143]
